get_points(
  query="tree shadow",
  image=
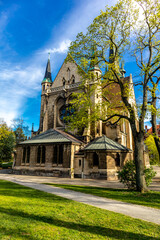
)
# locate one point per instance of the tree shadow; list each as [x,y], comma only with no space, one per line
[15,233]
[15,190]
[94,229]
[117,194]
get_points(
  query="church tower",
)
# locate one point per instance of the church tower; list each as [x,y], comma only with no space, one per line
[95,72]
[46,83]
[47,80]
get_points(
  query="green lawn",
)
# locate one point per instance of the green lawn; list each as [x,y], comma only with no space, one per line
[29,214]
[149,199]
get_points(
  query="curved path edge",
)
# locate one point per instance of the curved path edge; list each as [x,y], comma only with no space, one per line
[132,210]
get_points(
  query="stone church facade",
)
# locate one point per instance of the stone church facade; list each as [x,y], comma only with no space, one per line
[98,153]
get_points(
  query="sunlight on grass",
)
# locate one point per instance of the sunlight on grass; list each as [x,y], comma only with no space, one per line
[149,199]
[28,214]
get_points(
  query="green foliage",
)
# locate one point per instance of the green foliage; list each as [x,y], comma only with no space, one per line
[121,29]
[128,175]
[153,153]
[21,131]
[7,165]
[7,142]
[149,174]
[19,134]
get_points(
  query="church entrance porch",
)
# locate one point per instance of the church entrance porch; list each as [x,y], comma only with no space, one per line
[103,157]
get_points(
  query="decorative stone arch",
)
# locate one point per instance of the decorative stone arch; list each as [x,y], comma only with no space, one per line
[58,104]
[63,81]
[72,79]
[69,98]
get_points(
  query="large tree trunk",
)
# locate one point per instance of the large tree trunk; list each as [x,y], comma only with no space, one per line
[139,162]
[154,124]
[138,137]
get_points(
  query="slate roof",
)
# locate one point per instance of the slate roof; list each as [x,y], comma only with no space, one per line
[52,136]
[104,143]
[47,76]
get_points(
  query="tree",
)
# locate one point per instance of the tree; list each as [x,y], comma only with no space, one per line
[153,90]
[21,131]
[153,153]
[121,29]
[7,142]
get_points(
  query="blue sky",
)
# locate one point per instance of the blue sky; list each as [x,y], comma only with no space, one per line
[28,30]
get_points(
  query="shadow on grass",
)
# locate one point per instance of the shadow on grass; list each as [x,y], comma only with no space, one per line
[103,231]
[118,194]
[15,233]
[10,189]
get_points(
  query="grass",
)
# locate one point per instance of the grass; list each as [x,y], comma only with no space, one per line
[30,214]
[149,199]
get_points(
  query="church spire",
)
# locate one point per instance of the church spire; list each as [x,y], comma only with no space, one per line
[94,60]
[47,76]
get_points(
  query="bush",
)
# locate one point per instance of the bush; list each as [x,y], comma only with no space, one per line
[6,165]
[149,174]
[128,175]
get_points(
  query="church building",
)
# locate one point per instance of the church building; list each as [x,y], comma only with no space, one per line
[52,151]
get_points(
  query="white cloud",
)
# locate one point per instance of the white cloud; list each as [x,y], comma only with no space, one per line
[16,86]
[63,47]
[18,82]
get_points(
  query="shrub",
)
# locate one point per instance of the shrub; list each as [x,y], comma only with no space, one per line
[149,174]
[128,175]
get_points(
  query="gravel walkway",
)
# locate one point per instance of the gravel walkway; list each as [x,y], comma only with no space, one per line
[132,210]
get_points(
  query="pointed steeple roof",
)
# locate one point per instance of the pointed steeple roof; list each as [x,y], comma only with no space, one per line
[94,60]
[47,76]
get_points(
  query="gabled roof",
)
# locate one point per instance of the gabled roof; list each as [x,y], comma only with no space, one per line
[52,136]
[104,143]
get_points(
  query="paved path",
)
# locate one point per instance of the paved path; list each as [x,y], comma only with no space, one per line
[132,210]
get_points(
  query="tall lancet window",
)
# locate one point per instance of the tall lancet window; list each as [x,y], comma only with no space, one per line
[69,75]
[64,81]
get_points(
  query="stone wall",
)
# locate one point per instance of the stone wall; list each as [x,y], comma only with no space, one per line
[48,168]
[107,168]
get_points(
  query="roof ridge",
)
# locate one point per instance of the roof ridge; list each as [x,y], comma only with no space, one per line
[68,137]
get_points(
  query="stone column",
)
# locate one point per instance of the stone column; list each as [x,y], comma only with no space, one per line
[49,156]
[33,156]
[72,161]
[19,156]
[111,167]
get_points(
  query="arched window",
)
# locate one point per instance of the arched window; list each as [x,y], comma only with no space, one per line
[28,154]
[43,87]
[55,155]
[68,70]
[39,155]
[73,79]
[43,154]
[64,81]
[24,155]
[60,154]
[117,160]
[95,159]
[97,75]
